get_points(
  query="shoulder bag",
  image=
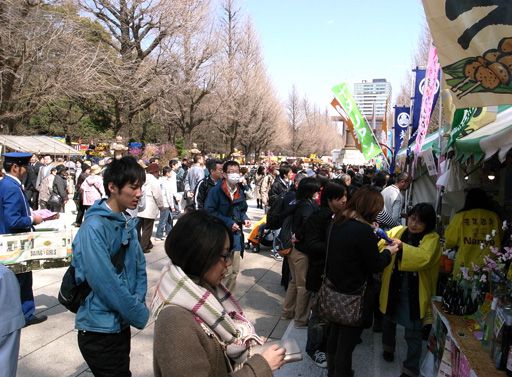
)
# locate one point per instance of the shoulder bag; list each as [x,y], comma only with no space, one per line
[344,309]
[73,295]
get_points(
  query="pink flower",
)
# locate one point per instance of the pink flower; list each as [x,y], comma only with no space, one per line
[495,250]
[475,267]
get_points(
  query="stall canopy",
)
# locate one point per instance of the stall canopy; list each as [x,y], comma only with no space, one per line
[42,145]
[496,137]
[431,141]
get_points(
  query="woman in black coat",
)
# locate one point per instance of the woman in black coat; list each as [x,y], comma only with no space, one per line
[353,256]
[334,198]
[60,187]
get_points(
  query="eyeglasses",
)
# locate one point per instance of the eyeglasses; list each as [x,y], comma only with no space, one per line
[226,257]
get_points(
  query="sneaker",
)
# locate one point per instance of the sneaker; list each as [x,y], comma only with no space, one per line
[277,257]
[34,320]
[320,359]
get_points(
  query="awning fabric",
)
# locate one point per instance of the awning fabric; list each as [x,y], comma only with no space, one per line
[42,145]
[431,141]
[496,137]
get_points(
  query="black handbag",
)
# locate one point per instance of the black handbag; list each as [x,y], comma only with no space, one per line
[73,295]
[344,309]
[54,200]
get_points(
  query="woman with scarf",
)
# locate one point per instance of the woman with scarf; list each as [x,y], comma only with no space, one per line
[200,328]
[408,283]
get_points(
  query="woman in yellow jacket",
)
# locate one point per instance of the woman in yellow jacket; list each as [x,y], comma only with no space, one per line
[470,227]
[408,283]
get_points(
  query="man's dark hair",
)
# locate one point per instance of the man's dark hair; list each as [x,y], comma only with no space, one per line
[173,162]
[166,170]
[379,179]
[426,214]
[332,190]
[307,188]
[153,159]
[284,170]
[122,172]
[196,242]
[211,163]
[229,163]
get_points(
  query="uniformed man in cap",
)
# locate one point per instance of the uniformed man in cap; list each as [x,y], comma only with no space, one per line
[16,217]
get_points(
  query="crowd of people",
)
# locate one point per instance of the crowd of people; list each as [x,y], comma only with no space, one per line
[328,216]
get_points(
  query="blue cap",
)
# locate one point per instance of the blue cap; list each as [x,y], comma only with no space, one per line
[18,158]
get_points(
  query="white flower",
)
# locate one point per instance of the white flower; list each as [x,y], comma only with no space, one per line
[482,246]
[488,237]
[493,233]
[483,278]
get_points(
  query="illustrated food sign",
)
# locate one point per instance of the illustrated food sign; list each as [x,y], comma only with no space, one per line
[24,247]
[369,145]
[474,42]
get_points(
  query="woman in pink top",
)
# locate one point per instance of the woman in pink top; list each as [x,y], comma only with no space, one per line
[92,187]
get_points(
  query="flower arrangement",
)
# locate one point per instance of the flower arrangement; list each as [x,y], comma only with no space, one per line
[492,274]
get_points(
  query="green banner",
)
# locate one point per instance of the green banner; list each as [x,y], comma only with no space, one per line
[369,145]
[461,120]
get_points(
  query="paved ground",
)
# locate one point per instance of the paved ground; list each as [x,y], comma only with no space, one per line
[50,349]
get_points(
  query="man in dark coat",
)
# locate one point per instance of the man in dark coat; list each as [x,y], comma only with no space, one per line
[16,217]
[227,202]
[30,182]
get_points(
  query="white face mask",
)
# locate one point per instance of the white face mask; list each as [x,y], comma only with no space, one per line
[233,178]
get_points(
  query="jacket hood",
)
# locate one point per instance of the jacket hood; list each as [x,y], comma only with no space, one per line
[100,208]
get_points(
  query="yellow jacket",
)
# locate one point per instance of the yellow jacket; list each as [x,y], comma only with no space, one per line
[423,259]
[467,230]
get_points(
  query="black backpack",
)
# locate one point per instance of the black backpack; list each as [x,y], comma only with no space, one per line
[73,295]
[274,217]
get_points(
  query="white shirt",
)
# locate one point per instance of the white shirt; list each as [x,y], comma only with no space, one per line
[393,202]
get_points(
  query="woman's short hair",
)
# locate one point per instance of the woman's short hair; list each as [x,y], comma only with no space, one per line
[196,242]
[332,190]
[426,214]
[476,198]
[307,188]
[366,203]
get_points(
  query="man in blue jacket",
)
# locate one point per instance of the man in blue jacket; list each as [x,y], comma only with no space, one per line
[117,300]
[227,201]
[16,217]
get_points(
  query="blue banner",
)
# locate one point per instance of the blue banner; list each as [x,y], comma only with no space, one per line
[400,126]
[419,84]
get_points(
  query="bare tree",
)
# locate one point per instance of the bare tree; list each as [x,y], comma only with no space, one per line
[296,117]
[44,56]
[192,52]
[136,31]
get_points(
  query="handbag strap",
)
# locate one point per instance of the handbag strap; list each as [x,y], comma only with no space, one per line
[327,251]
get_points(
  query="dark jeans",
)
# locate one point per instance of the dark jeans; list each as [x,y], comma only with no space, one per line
[145,231]
[318,330]
[413,337]
[26,294]
[108,355]
[164,224]
[340,345]
[80,211]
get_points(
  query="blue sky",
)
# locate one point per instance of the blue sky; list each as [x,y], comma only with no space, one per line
[316,44]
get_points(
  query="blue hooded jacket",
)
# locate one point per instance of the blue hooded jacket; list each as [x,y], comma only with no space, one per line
[116,300]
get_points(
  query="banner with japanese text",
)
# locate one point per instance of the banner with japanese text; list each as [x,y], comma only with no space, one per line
[402,120]
[369,145]
[427,103]
[474,42]
[419,89]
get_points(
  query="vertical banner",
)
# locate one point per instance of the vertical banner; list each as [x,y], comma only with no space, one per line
[460,122]
[400,126]
[427,104]
[419,90]
[474,42]
[369,145]
[350,126]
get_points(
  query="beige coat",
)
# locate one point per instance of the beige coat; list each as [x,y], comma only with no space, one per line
[153,198]
[181,348]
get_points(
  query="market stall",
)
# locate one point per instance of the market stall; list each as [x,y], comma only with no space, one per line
[41,145]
